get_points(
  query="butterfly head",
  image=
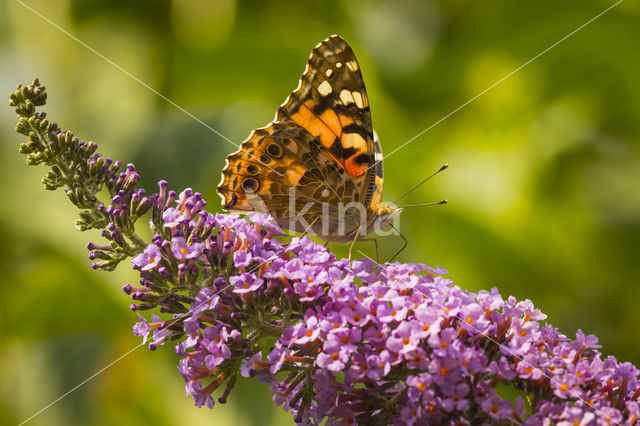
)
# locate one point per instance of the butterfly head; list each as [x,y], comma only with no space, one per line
[386,215]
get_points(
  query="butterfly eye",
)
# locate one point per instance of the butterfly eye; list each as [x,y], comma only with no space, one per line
[252,169]
[274,150]
[250,185]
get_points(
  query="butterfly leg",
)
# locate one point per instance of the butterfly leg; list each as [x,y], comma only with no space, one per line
[354,241]
[403,247]
[309,227]
[375,243]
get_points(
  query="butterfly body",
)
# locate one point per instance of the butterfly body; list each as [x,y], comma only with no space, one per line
[317,167]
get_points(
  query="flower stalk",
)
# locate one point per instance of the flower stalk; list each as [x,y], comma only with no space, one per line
[337,341]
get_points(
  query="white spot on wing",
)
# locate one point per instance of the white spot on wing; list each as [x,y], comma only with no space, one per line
[346,97]
[352,65]
[338,65]
[329,73]
[357,97]
[324,88]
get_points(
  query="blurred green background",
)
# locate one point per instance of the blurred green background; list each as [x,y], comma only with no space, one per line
[543,184]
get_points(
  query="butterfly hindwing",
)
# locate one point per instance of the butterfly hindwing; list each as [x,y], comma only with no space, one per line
[282,169]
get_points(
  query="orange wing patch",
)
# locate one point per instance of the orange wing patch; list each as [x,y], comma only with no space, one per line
[333,122]
[326,127]
[346,148]
[354,168]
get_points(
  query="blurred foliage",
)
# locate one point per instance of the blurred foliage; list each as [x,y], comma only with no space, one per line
[543,191]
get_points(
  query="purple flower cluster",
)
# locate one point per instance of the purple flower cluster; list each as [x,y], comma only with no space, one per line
[337,341]
[360,342]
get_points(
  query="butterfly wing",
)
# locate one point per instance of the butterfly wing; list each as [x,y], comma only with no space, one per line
[317,155]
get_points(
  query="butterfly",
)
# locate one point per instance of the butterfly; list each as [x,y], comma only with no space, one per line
[317,167]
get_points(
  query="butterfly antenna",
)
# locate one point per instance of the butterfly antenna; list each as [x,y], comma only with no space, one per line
[403,247]
[418,185]
[425,204]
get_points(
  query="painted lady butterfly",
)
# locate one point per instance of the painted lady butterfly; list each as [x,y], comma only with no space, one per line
[318,166]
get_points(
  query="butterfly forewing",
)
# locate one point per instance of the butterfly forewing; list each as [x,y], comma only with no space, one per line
[331,103]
